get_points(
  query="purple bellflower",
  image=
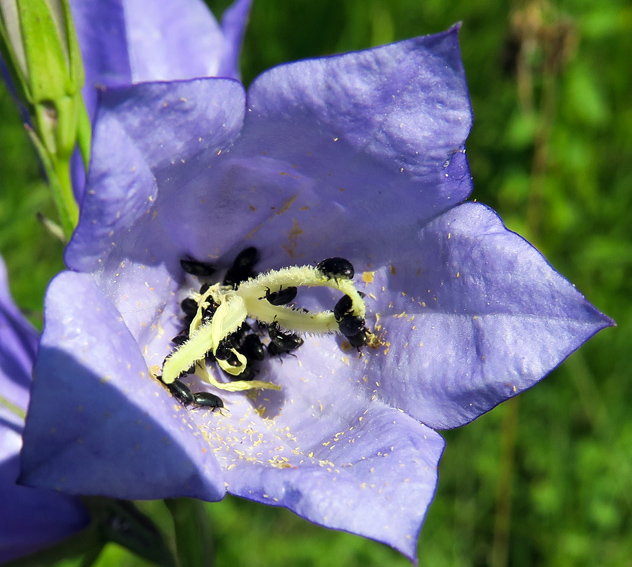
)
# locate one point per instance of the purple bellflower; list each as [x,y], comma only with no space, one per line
[134,41]
[125,42]
[30,518]
[358,156]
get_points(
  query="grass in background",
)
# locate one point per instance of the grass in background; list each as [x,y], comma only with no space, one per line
[545,479]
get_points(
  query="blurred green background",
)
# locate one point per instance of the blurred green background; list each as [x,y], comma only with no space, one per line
[546,479]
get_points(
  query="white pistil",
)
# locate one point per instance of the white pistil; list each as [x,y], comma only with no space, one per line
[254,291]
[250,300]
[236,385]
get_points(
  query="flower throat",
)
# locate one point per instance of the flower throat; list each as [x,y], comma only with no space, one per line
[216,326]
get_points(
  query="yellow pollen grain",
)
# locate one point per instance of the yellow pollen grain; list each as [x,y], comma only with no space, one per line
[287,204]
[368,277]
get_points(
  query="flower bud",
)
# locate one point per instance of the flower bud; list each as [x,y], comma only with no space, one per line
[40,49]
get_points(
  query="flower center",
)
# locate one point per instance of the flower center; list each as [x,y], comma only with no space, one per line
[218,327]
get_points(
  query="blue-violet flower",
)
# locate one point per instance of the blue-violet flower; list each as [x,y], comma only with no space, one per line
[31,518]
[358,156]
[133,41]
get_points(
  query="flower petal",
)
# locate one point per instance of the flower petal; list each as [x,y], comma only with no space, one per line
[96,422]
[100,27]
[322,449]
[234,22]
[133,41]
[374,139]
[149,136]
[175,39]
[470,315]
[31,518]
[353,140]
[18,347]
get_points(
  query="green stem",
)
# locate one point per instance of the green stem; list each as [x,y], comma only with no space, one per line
[58,173]
[67,196]
[121,522]
[502,517]
[193,532]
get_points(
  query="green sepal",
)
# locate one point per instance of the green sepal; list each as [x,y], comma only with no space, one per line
[75,61]
[46,58]
[58,174]
[84,133]
[121,522]
[48,75]
[66,127]
[10,34]
[113,521]
[193,532]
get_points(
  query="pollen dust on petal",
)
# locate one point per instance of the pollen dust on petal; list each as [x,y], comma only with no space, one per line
[287,205]
[292,237]
[367,277]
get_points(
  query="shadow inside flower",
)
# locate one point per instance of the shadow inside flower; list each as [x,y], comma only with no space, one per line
[126,424]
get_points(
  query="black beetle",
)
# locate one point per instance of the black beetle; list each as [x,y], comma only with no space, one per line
[359,340]
[181,391]
[189,306]
[282,296]
[207,400]
[343,307]
[351,325]
[197,268]
[180,339]
[336,268]
[281,342]
[252,348]
[242,268]
[183,394]
[209,311]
